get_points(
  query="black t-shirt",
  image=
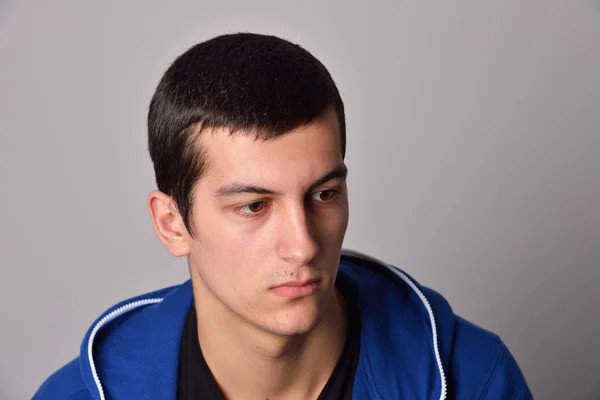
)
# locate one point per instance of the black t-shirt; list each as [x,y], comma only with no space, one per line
[196,381]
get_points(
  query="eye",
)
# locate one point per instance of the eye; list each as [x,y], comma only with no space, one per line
[255,207]
[251,209]
[325,196]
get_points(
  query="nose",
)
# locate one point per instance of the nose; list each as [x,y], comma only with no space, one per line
[295,241]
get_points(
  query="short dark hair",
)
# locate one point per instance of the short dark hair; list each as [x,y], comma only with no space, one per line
[243,82]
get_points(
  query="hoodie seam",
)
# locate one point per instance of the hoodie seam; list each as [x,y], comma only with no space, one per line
[413,287]
[496,367]
[368,375]
[80,391]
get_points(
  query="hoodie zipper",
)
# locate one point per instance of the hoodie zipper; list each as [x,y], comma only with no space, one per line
[423,298]
[105,320]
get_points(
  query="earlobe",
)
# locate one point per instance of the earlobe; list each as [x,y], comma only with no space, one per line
[168,224]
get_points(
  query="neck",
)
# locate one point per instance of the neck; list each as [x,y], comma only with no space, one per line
[250,363]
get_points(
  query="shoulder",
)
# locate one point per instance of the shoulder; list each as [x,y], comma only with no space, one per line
[482,366]
[473,362]
[65,383]
[129,321]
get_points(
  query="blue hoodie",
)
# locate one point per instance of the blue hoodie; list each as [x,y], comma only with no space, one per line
[412,346]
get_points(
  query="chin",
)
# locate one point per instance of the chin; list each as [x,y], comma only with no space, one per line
[292,329]
[299,320]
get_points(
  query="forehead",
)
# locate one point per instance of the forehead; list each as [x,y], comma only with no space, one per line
[297,156]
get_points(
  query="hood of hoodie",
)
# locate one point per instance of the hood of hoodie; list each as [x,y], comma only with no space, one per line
[132,350]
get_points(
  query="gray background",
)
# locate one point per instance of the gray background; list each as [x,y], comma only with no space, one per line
[473,148]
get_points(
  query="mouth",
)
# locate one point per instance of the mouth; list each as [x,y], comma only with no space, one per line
[296,289]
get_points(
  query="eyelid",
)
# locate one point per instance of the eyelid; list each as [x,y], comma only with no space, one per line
[238,209]
[336,192]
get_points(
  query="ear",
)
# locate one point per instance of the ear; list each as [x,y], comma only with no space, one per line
[168,224]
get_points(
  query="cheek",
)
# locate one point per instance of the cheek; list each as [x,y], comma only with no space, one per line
[230,254]
[332,226]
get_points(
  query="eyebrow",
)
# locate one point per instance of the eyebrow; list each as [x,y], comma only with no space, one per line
[235,188]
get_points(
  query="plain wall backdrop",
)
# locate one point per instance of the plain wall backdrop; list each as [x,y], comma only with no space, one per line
[473,149]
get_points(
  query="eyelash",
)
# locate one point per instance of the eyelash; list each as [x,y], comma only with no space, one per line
[239,209]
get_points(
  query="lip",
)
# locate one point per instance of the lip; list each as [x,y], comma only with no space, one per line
[297,283]
[296,289]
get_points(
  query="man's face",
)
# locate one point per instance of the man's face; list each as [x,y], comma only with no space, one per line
[266,214]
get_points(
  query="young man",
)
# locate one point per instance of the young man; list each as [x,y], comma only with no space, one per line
[247,134]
